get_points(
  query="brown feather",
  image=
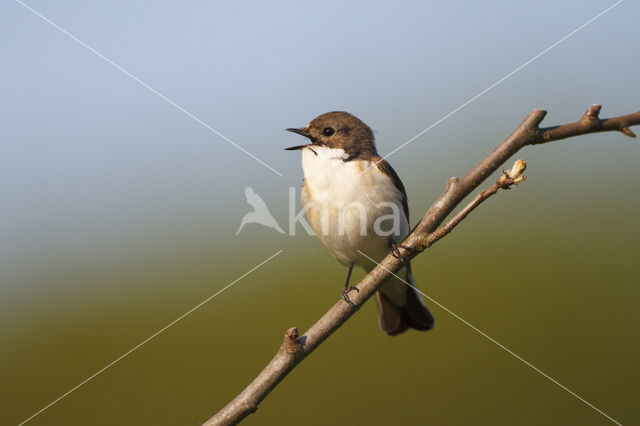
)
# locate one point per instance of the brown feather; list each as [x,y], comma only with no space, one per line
[384,166]
[417,315]
[394,319]
[390,318]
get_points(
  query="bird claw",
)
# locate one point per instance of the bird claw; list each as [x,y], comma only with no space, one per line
[395,251]
[345,295]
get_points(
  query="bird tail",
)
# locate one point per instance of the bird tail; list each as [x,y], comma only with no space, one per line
[395,317]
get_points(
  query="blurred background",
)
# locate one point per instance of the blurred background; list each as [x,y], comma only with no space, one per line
[119,211]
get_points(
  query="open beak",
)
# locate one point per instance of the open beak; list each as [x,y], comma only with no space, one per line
[301,132]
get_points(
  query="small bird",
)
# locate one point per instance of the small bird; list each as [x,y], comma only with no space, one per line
[348,191]
[260,213]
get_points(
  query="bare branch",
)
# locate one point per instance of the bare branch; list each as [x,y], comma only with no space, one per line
[247,402]
[588,123]
[295,349]
[512,177]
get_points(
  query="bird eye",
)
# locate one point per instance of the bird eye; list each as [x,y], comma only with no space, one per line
[328,131]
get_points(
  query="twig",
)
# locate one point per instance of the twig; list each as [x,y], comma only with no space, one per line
[295,349]
[512,177]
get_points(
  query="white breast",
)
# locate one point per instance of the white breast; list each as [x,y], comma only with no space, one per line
[343,199]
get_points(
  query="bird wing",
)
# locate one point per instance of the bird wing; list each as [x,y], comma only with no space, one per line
[386,168]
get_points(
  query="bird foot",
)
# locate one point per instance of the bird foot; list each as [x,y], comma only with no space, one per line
[345,294]
[395,251]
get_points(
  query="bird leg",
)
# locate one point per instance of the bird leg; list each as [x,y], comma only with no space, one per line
[347,289]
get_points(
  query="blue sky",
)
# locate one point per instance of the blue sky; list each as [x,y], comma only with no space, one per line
[92,158]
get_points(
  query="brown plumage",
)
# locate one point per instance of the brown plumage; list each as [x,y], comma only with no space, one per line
[341,166]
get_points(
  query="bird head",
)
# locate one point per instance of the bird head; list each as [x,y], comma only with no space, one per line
[338,130]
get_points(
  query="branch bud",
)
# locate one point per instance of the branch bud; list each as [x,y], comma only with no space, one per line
[514,175]
[518,167]
[593,112]
[627,131]
[291,343]
[423,242]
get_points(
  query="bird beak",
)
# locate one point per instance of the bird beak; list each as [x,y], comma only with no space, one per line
[298,131]
[301,132]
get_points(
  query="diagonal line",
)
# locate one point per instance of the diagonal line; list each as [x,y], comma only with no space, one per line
[128,74]
[150,337]
[500,345]
[503,78]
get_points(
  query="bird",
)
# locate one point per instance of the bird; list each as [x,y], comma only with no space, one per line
[260,213]
[348,192]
